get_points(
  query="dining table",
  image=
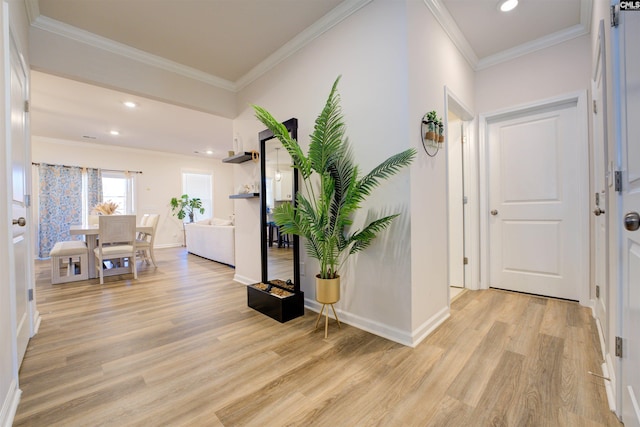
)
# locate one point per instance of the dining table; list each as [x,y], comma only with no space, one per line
[91,233]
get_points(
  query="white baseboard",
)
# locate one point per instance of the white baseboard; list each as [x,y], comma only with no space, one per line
[610,386]
[430,325]
[10,405]
[386,331]
[607,367]
[36,322]
[168,245]
[244,280]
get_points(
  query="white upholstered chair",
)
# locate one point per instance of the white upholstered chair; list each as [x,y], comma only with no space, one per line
[144,241]
[116,241]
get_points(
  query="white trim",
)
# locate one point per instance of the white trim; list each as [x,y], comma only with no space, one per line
[452,30]
[607,368]
[532,46]
[168,245]
[65,30]
[580,101]
[380,329]
[429,326]
[10,405]
[324,24]
[328,21]
[471,234]
[244,280]
[33,9]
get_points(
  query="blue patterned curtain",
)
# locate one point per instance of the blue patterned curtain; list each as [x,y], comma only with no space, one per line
[94,181]
[60,204]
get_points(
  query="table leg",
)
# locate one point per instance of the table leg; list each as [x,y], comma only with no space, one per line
[92,243]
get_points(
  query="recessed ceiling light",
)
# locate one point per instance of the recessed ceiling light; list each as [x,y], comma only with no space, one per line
[114,132]
[209,152]
[130,104]
[507,5]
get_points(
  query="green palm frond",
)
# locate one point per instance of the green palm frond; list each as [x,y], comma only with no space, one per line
[364,238]
[324,220]
[386,169]
[280,131]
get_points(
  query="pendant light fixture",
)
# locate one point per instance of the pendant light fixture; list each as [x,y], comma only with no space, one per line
[278,174]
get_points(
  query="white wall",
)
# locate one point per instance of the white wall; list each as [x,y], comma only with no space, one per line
[161,177]
[557,70]
[383,100]
[369,50]
[434,63]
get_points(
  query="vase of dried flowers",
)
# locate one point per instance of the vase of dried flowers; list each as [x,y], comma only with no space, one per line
[105,208]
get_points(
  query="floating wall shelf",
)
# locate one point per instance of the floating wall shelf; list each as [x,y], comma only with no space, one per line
[244,196]
[239,158]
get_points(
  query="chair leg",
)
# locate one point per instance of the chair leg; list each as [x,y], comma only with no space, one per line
[101,273]
[153,257]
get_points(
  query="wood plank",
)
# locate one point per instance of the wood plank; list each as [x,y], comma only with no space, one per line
[180,347]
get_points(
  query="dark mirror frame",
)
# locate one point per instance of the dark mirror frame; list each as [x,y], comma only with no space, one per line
[264,136]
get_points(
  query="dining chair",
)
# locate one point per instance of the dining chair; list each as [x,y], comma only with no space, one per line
[116,241]
[144,241]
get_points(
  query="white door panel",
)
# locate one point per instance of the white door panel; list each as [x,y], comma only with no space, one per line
[534,199]
[629,148]
[600,194]
[19,162]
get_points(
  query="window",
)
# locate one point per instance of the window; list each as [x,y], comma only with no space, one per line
[199,185]
[118,187]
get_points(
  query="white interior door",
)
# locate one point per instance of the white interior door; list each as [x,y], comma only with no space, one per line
[629,57]
[600,196]
[21,226]
[456,202]
[534,201]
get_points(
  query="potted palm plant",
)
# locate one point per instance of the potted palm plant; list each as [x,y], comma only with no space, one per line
[333,192]
[185,206]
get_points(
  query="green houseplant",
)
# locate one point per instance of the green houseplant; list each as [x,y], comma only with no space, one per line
[324,211]
[185,206]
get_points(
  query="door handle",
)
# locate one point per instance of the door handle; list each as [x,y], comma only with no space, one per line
[598,211]
[494,212]
[632,221]
[20,221]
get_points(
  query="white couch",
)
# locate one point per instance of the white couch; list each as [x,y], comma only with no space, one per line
[213,239]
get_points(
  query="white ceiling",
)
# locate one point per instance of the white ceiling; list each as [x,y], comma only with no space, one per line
[238,37]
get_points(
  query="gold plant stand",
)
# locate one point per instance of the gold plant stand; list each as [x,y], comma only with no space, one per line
[326,319]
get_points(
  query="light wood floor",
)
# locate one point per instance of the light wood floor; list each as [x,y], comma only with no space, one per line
[179,347]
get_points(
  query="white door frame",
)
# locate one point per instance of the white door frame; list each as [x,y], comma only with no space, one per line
[580,99]
[471,233]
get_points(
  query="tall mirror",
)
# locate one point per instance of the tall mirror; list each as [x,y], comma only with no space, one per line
[280,253]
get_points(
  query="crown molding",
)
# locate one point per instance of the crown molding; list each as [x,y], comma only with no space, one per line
[56,27]
[33,10]
[532,46]
[324,24]
[450,27]
[321,26]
